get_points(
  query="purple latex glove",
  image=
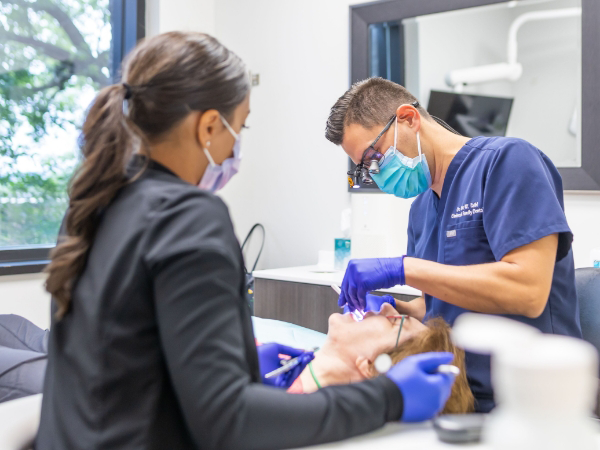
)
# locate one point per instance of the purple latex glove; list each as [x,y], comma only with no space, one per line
[364,275]
[424,391]
[269,359]
[375,302]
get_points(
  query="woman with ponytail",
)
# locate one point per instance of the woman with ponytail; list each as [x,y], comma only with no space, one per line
[151,344]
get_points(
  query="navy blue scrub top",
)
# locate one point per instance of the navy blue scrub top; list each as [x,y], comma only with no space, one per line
[499,194]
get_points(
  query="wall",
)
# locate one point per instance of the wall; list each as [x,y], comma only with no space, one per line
[25,295]
[301,54]
[583,215]
[182,15]
[291,179]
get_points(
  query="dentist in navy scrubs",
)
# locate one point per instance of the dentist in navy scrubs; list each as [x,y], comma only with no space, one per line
[487,231]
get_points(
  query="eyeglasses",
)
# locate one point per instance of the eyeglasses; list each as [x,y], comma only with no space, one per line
[360,174]
[403,317]
[369,163]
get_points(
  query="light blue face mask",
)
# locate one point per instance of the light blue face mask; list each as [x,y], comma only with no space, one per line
[401,176]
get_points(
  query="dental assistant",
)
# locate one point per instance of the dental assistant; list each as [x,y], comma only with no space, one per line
[151,345]
[487,231]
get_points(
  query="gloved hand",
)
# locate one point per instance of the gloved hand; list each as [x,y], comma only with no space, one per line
[269,359]
[425,392]
[375,302]
[364,275]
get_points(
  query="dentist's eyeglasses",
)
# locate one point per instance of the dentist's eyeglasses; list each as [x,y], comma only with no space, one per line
[369,163]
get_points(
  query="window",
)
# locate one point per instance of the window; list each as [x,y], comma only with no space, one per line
[386,51]
[54,56]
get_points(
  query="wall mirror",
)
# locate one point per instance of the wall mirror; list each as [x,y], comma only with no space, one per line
[513,68]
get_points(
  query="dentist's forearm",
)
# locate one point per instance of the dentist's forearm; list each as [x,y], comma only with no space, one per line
[484,288]
[518,284]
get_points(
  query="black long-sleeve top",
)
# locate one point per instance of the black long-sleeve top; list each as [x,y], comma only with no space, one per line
[157,350]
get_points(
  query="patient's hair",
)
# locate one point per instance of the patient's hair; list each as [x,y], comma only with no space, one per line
[371,102]
[164,78]
[437,339]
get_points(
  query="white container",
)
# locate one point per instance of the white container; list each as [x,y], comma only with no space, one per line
[326,260]
[545,385]
[545,392]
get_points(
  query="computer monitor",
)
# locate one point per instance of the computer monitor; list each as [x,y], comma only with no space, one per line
[471,115]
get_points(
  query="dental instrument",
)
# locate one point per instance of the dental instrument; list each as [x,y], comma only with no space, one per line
[287,365]
[383,363]
[448,369]
[357,314]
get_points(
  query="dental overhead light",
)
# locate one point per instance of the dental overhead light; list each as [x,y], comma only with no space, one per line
[511,70]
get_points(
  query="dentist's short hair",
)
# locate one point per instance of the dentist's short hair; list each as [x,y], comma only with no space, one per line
[368,103]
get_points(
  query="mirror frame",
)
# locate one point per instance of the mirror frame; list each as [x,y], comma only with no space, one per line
[584,178]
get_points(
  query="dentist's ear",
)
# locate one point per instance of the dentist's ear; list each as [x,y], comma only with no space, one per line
[409,115]
[365,367]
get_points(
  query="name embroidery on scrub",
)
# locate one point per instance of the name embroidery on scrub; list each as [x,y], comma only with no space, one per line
[468,209]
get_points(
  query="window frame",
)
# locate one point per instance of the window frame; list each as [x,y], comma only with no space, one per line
[128,21]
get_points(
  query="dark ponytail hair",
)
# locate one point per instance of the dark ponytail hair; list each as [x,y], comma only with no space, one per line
[164,78]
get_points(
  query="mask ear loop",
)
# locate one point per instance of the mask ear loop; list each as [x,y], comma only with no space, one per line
[396,135]
[416,105]
[210,160]
[229,128]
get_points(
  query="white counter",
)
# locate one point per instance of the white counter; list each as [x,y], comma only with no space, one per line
[399,436]
[313,275]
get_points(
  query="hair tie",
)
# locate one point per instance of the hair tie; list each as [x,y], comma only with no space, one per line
[128,92]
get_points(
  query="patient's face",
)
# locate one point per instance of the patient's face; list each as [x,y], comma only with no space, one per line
[374,335]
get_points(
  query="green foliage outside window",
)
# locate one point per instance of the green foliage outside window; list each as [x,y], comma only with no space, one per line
[54,55]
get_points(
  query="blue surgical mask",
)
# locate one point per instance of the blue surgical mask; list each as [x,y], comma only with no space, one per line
[402,176]
[216,176]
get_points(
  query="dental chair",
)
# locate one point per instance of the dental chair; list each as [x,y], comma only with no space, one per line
[587,282]
[19,422]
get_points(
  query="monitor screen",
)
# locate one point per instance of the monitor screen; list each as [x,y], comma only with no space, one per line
[471,115]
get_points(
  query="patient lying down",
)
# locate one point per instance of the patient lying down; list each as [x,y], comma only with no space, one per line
[351,347]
